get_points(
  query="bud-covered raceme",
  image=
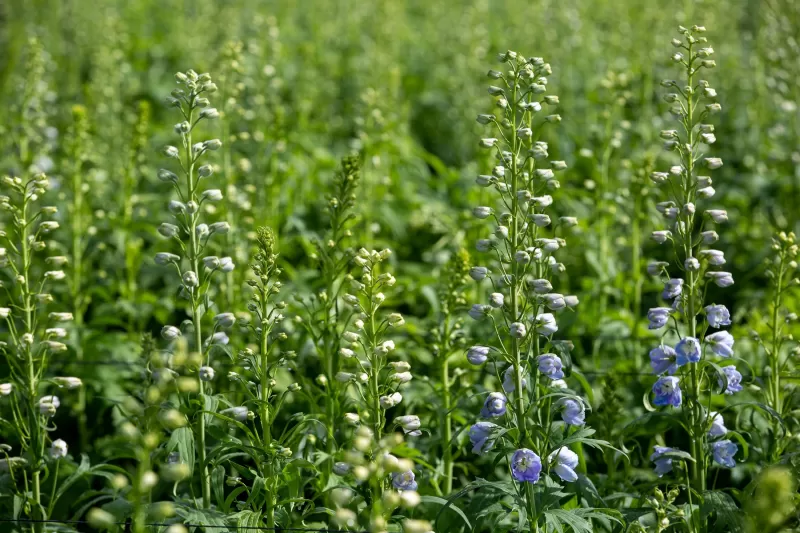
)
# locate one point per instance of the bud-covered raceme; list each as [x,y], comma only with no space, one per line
[680,362]
[521,303]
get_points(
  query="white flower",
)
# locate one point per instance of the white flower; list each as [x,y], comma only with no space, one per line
[48,405]
[6,388]
[68,382]
[170,333]
[206,373]
[58,449]
[237,413]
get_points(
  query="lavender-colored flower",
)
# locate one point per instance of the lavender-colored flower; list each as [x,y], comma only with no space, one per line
[733,377]
[526,466]
[550,365]
[656,267]
[663,464]
[508,380]
[518,330]
[477,355]
[688,351]
[717,428]
[714,257]
[723,452]
[721,343]
[478,273]
[494,406]
[658,317]
[404,480]
[672,289]
[721,279]
[564,462]
[662,359]
[480,434]
[718,315]
[667,391]
[661,236]
[572,411]
[479,311]
[545,324]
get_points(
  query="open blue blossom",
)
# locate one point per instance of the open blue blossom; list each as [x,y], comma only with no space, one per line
[480,434]
[723,452]
[721,343]
[667,391]
[526,466]
[672,289]
[477,354]
[688,351]
[663,464]
[733,377]
[658,317]
[662,359]
[508,380]
[564,461]
[404,480]
[494,406]
[572,411]
[718,315]
[717,428]
[545,324]
[550,365]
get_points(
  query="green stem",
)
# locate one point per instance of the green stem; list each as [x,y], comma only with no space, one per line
[447,424]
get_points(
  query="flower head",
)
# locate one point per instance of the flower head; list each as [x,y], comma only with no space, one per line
[494,406]
[718,315]
[526,466]
[663,464]
[733,378]
[58,449]
[663,360]
[550,365]
[658,317]
[723,452]
[480,434]
[572,411]
[717,428]
[404,480]
[667,391]
[545,324]
[477,355]
[721,343]
[564,462]
[672,289]
[688,351]
[509,384]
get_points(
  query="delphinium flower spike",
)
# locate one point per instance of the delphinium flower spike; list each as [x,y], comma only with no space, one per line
[685,366]
[521,271]
[192,237]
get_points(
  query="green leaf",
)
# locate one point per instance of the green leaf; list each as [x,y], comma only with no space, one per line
[728,516]
[182,440]
[447,505]
[218,484]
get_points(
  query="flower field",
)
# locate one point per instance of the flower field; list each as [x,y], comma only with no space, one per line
[400,266]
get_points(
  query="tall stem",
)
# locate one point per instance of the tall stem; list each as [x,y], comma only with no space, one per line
[447,420]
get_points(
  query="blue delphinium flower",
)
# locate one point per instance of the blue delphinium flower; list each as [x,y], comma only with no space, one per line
[734,379]
[672,289]
[545,324]
[564,462]
[717,428]
[404,480]
[508,380]
[721,343]
[662,359]
[550,365]
[658,317]
[663,464]
[718,315]
[688,351]
[526,465]
[479,435]
[494,406]
[477,354]
[572,411]
[721,279]
[667,391]
[723,452]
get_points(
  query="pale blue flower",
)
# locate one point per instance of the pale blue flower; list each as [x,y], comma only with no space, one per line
[658,317]
[550,365]
[672,289]
[723,452]
[663,464]
[721,343]
[477,355]
[667,391]
[572,412]
[733,377]
[662,359]
[404,480]
[526,466]
[494,406]
[545,324]
[718,315]
[717,428]
[564,462]
[721,279]
[479,311]
[480,434]
[509,384]
[688,351]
